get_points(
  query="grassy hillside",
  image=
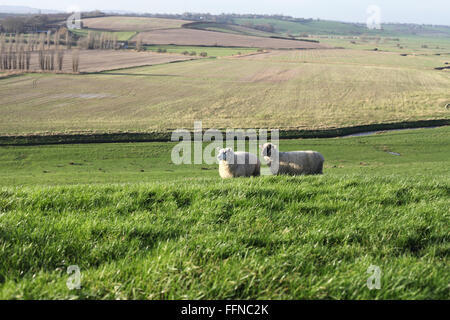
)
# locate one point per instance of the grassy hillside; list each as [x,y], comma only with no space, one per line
[197,236]
[288,89]
[147,162]
[229,28]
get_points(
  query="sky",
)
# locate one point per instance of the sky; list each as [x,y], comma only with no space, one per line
[403,11]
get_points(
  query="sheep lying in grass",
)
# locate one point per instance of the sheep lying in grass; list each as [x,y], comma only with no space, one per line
[292,163]
[238,164]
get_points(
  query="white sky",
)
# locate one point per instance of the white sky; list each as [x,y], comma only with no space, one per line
[412,11]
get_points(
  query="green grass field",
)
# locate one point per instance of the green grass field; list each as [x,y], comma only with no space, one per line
[121,35]
[182,233]
[211,51]
[150,162]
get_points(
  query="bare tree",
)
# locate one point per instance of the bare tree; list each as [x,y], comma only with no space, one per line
[41,59]
[115,41]
[27,60]
[56,40]
[60,59]
[2,51]
[68,40]
[75,60]
[139,43]
[52,60]
[48,39]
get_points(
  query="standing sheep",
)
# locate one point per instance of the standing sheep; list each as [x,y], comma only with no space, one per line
[292,163]
[237,164]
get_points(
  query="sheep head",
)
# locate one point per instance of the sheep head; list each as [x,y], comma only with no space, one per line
[267,150]
[226,154]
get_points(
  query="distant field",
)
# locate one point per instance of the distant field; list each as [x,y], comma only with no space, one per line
[317,27]
[208,38]
[402,45]
[121,35]
[230,28]
[101,60]
[211,51]
[118,23]
[308,26]
[308,89]
[358,58]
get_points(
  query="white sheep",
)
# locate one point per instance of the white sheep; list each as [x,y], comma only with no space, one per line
[292,163]
[237,164]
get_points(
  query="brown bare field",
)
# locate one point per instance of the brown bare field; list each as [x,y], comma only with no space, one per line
[132,23]
[210,38]
[102,60]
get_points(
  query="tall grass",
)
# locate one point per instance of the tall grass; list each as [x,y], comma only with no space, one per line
[267,238]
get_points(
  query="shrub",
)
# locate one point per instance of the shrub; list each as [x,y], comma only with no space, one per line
[203,54]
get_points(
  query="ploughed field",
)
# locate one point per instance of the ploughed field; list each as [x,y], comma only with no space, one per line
[132,23]
[295,89]
[168,232]
[185,36]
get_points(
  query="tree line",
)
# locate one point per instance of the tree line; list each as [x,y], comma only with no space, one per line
[16,51]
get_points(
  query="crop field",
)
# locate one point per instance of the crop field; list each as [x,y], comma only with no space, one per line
[188,37]
[132,23]
[287,89]
[190,235]
[102,60]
